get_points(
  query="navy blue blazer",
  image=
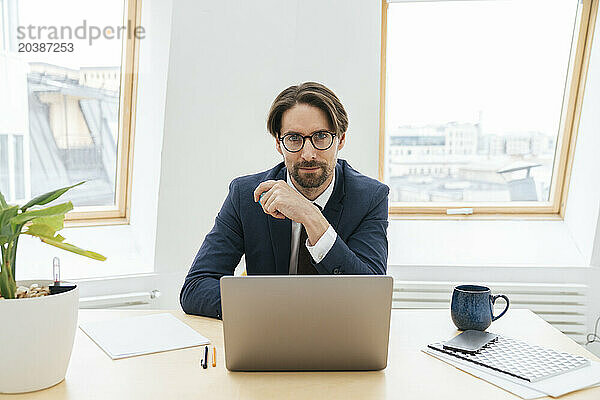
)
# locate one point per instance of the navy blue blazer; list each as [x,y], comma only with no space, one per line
[357,210]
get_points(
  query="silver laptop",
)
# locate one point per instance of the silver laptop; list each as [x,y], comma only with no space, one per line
[304,323]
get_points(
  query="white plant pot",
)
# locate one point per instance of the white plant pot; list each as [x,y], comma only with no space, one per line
[36,339]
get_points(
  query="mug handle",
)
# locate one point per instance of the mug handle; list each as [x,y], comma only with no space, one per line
[494,298]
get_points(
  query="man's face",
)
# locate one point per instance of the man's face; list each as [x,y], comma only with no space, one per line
[310,168]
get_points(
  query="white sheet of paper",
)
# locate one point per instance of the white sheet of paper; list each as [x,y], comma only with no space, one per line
[556,386]
[570,381]
[519,390]
[145,334]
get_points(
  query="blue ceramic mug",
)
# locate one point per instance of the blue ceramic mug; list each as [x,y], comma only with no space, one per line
[473,307]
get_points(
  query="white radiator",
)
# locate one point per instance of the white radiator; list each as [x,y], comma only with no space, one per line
[561,305]
[123,300]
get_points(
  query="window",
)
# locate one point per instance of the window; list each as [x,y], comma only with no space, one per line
[487,91]
[68,72]
[12,175]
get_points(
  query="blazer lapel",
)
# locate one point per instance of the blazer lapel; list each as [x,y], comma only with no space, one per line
[333,208]
[281,237]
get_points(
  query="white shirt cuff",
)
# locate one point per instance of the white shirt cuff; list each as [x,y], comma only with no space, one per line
[323,245]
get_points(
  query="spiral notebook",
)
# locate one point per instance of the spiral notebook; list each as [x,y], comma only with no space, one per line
[507,362]
[134,336]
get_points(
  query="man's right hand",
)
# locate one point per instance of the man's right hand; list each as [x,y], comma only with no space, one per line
[281,201]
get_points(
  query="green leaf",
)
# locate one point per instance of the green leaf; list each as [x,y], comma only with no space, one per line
[46,227]
[27,216]
[3,203]
[48,197]
[43,231]
[73,249]
[6,215]
[56,222]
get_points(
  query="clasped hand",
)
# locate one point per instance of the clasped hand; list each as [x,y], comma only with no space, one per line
[281,201]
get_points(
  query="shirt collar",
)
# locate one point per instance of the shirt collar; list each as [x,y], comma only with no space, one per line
[323,198]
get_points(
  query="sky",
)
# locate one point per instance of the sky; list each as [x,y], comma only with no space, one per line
[447,61]
[103,52]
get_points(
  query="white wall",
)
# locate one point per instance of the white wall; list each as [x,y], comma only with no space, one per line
[583,204]
[228,61]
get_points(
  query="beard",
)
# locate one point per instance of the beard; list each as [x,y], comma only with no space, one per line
[314,179]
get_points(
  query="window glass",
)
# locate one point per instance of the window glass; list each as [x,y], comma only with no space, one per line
[474,95]
[19,168]
[4,183]
[60,86]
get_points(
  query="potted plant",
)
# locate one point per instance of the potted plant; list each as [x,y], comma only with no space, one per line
[38,329]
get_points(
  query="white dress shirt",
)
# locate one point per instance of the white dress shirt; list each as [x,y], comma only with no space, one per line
[324,244]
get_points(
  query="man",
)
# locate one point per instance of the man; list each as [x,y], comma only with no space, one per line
[311,214]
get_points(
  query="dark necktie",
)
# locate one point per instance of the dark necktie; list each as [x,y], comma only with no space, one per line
[305,266]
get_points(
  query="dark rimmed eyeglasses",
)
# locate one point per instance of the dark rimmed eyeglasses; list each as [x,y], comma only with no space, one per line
[294,142]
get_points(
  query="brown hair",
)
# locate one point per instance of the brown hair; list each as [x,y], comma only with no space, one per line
[311,93]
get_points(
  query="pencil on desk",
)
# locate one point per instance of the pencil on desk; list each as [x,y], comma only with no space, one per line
[214,356]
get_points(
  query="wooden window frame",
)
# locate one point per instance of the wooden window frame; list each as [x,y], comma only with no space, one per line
[569,125]
[119,213]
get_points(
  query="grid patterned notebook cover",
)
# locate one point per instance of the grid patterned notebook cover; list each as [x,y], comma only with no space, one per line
[519,359]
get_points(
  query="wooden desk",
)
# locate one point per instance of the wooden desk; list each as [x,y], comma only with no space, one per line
[411,374]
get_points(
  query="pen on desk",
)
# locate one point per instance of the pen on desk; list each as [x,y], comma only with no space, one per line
[205,365]
[214,356]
